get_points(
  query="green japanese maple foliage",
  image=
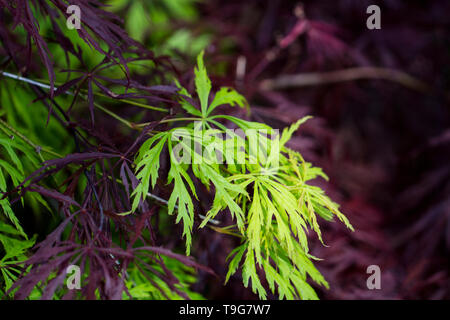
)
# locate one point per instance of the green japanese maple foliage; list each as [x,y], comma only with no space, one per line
[268,194]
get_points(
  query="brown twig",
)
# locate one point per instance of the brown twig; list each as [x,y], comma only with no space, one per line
[314,79]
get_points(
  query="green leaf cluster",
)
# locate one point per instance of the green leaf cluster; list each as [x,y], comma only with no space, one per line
[269,195]
[145,285]
[14,241]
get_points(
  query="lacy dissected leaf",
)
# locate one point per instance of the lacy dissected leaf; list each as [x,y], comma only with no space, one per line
[186,100]
[202,83]
[181,198]
[227,96]
[11,167]
[15,246]
[148,166]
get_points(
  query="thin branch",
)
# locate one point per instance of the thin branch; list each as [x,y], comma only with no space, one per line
[105,110]
[352,74]
[23,79]
[5,127]
[155,197]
